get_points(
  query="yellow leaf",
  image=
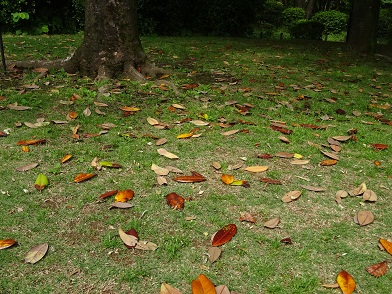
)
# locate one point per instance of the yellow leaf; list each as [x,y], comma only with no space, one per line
[346,282]
[256,168]
[184,136]
[298,156]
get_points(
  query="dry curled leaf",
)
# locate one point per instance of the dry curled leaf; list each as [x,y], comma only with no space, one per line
[27,167]
[290,196]
[300,161]
[175,201]
[160,171]
[108,194]
[31,142]
[128,239]
[359,190]
[194,178]
[229,133]
[272,223]
[36,253]
[369,195]
[168,289]
[160,141]
[146,246]
[224,235]
[216,165]
[167,154]
[364,217]
[222,289]
[313,188]
[121,205]
[247,217]
[346,282]
[284,155]
[270,181]
[378,269]
[328,162]
[330,155]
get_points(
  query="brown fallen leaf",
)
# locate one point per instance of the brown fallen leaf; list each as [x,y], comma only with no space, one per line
[216,165]
[128,239]
[167,154]
[346,282]
[229,133]
[328,162]
[272,223]
[146,246]
[247,217]
[124,195]
[161,181]
[121,205]
[168,289]
[341,138]
[108,194]
[378,269]
[332,286]
[31,142]
[270,181]
[224,235]
[330,155]
[160,171]
[359,190]
[369,195]
[378,147]
[222,289]
[364,217]
[36,253]
[152,121]
[160,141]
[194,178]
[290,196]
[286,241]
[300,161]
[284,155]
[313,188]
[175,201]
[27,167]
[214,253]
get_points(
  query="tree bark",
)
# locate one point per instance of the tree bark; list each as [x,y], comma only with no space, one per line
[111,46]
[310,8]
[362,27]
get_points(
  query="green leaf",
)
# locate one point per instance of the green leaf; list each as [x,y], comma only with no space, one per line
[41,182]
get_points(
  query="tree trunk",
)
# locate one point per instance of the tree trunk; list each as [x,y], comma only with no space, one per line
[362,27]
[310,8]
[111,46]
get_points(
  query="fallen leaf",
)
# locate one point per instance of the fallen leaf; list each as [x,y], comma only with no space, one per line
[160,141]
[272,223]
[264,156]
[224,235]
[161,181]
[36,253]
[369,195]
[72,115]
[174,169]
[146,246]
[168,289]
[202,285]
[227,179]
[359,190]
[31,142]
[110,164]
[341,194]
[287,241]
[378,147]
[330,155]
[124,195]
[175,201]
[387,245]
[25,149]
[229,133]
[167,154]
[341,138]
[284,139]
[129,108]
[129,240]
[152,121]
[300,161]
[199,123]
[178,106]
[378,269]
[332,286]
[121,205]
[83,177]
[66,158]
[346,282]
[41,182]
[184,136]
[222,289]
[364,217]
[214,253]
[160,171]
[290,196]
[240,183]
[5,243]
[27,167]
[270,181]
[256,168]
[247,217]
[87,112]
[216,165]
[194,178]
[15,106]
[328,162]
[284,155]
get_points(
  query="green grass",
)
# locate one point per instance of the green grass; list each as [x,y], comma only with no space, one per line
[277,78]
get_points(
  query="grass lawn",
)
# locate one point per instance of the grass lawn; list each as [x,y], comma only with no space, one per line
[281,97]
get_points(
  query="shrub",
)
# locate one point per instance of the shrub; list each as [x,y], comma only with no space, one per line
[307,29]
[334,21]
[292,15]
[271,13]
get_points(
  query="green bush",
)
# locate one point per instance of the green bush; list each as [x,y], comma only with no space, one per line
[307,29]
[271,13]
[292,15]
[385,25]
[334,21]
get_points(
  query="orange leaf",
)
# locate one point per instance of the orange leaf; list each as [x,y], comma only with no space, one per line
[378,147]
[108,194]
[5,243]
[227,179]
[66,158]
[73,115]
[83,177]
[224,235]
[202,285]
[25,148]
[387,245]
[328,162]
[194,178]
[175,201]
[346,282]
[31,142]
[378,269]
[124,195]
